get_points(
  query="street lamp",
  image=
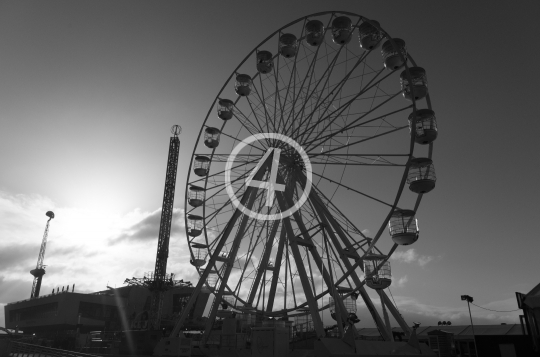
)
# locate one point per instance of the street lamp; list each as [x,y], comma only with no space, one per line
[469,299]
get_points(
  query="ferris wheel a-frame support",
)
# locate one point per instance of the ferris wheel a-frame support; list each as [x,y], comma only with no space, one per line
[275,273]
[330,226]
[263,264]
[284,203]
[326,218]
[228,265]
[325,215]
[213,258]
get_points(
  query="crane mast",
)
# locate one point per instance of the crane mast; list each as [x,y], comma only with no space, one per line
[39,271]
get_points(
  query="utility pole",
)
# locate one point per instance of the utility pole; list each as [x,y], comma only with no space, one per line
[40,268]
[469,299]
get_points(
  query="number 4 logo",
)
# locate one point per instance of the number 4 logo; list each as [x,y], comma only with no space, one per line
[271,185]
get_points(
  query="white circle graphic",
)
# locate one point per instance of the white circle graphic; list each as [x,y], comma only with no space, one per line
[261,216]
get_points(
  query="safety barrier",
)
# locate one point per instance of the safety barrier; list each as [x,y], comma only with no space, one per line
[20,349]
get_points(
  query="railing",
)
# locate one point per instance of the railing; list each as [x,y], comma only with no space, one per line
[40,297]
[20,349]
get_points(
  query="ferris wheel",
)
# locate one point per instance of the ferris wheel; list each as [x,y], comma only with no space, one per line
[314,148]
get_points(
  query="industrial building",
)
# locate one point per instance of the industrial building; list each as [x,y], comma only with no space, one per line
[125,308]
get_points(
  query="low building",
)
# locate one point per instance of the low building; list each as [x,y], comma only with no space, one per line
[125,308]
[491,340]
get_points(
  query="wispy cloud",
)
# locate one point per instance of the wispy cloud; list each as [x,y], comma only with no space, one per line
[147,228]
[429,314]
[401,281]
[79,249]
[410,256]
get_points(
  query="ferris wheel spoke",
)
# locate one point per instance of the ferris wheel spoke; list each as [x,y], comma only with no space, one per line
[291,280]
[213,215]
[352,189]
[242,159]
[370,85]
[310,129]
[265,105]
[292,78]
[319,98]
[308,75]
[220,173]
[340,111]
[258,127]
[326,75]
[366,139]
[250,252]
[319,140]
[235,138]
[339,214]
[337,88]
[263,125]
[327,219]
[284,202]
[245,122]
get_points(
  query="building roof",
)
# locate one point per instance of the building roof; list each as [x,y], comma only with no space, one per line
[532,299]
[459,331]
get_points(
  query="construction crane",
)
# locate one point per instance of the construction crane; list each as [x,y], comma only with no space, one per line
[40,268]
[159,281]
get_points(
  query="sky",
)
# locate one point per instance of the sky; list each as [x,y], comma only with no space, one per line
[90,89]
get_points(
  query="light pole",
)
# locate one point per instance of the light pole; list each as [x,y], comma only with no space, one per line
[469,299]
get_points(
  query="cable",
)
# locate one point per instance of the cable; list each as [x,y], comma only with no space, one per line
[494,310]
[393,300]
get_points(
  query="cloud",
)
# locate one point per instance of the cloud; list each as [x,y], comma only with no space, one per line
[410,256]
[78,248]
[423,260]
[428,314]
[18,255]
[147,229]
[401,281]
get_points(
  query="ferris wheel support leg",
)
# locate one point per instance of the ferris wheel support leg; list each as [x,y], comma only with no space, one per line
[263,264]
[277,268]
[312,303]
[340,307]
[386,319]
[327,218]
[237,213]
[231,257]
[394,312]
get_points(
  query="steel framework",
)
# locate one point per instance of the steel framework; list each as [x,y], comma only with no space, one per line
[159,281]
[39,271]
[342,104]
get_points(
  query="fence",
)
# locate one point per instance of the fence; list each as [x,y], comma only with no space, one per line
[20,349]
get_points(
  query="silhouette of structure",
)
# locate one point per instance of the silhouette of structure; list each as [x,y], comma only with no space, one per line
[39,271]
[159,281]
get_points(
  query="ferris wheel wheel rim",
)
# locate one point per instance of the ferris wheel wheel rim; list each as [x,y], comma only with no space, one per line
[228,81]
